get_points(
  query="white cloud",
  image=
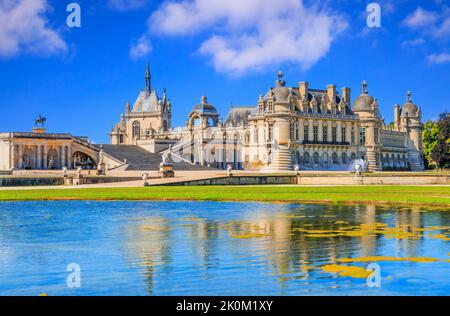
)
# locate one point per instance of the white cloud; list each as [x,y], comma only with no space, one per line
[247,35]
[437,59]
[141,48]
[24,29]
[420,18]
[126,5]
[414,42]
[435,24]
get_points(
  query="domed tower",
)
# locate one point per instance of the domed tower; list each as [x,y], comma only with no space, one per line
[366,107]
[277,126]
[410,123]
[203,114]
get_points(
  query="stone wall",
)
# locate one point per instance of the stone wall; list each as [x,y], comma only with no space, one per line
[339,179]
[30,181]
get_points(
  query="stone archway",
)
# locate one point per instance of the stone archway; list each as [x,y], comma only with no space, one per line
[52,159]
[29,158]
[83,160]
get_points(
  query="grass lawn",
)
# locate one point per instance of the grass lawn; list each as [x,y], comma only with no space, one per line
[409,195]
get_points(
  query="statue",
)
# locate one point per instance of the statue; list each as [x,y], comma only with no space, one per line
[229,171]
[40,120]
[145,178]
[51,162]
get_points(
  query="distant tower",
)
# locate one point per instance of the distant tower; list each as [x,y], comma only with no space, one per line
[148,79]
[366,107]
[410,123]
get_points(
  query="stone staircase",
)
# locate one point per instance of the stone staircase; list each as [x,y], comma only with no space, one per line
[138,158]
[415,162]
[374,164]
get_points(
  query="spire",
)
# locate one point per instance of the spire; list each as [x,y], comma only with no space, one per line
[364,87]
[148,79]
[408,97]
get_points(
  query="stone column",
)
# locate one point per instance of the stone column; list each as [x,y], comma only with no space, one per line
[311,131]
[69,157]
[301,130]
[349,133]
[357,134]
[39,157]
[45,157]
[339,132]
[20,166]
[12,156]
[63,156]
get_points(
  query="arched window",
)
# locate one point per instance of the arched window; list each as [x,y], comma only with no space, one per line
[344,158]
[306,157]
[316,158]
[353,156]
[325,158]
[121,139]
[165,126]
[334,157]
[136,130]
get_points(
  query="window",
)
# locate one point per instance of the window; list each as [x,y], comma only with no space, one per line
[292,131]
[334,157]
[316,133]
[316,158]
[362,135]
[325,133]
[136,130]
[121,139]
[344,158]
[334,134]
[270,134]
[353,135]
[325,158]
[344,136]
[375,132]
[306,133]
[306,158]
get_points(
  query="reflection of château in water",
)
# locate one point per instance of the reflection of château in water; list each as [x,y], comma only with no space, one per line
[317,129]
[276,239]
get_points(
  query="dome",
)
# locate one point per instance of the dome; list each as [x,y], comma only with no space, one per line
[281,93]
[409,108]
[364,101]
[204,108]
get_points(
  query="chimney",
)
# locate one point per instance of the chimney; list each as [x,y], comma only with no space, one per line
[396,115]
[346,95]
[331,92]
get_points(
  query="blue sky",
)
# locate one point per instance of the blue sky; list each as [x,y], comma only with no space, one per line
[81,78]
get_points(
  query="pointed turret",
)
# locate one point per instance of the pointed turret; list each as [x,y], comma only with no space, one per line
[148,79]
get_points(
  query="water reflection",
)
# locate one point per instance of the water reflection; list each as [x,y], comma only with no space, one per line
[193,248]
[286,241]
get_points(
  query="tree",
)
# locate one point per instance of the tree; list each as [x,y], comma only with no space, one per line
[441,151]
[430,139]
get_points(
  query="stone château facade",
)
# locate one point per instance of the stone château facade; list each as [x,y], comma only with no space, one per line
[311,128]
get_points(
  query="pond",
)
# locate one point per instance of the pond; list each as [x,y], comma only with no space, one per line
[213,248]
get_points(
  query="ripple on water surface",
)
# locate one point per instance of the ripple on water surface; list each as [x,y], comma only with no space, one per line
[212,248]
